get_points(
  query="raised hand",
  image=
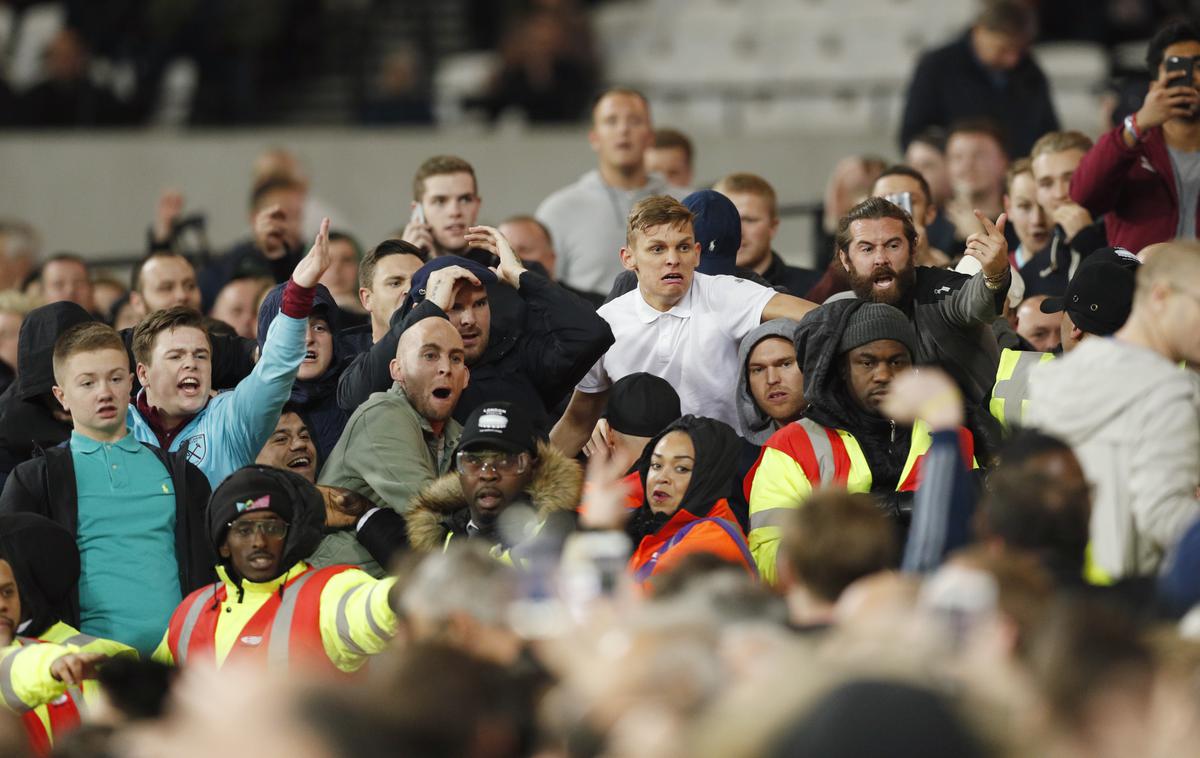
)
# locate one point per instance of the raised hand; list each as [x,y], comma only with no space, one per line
[270,231]
[418,233]
[72,668]
[990,248]
[310,270]
[490,239]
[604,494]
[928,394]
[166,214]
[1072,217]
[1166,100]
[444,283]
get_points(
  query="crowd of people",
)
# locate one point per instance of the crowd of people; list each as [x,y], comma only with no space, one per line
[612,477]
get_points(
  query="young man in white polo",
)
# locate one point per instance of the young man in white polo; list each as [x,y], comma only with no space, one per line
[678,324]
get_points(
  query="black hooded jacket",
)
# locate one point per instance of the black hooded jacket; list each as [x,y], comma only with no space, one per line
[884,443]
[716,452]
[543,340]
[45,562]
[27,421]
[315,399]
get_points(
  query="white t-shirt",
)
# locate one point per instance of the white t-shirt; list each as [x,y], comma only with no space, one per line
[693,346]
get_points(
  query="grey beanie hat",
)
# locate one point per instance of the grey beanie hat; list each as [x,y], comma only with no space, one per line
[878,321]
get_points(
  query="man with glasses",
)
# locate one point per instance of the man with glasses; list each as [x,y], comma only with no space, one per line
[270,607]
[1132,415]
[399,440]
[499,464]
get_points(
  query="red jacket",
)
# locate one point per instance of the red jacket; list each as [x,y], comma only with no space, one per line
[1135,186]
[687,533]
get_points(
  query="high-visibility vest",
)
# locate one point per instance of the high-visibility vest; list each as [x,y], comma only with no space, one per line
[1010,394]
[45,723]
[286,630]
[820,457]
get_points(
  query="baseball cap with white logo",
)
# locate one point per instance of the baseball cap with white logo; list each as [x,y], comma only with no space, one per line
[499,426]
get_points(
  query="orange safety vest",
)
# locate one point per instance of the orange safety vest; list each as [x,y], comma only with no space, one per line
[63,715]
[286,629]
[717,532]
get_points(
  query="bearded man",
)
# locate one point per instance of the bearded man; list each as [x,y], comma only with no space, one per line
[952,313]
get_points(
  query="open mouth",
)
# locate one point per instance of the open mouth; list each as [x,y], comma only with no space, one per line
[310,356]
[777,395]
[189,386]
[300,461]
[107,411]
[442,393]
[261,561]
[659,496]
[672,278]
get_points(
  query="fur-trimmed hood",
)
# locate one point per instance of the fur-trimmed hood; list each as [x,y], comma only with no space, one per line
[556,486]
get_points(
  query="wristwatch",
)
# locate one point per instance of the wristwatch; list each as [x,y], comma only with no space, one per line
[1131,128]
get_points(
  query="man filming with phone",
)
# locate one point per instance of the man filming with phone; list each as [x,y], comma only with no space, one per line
[1145,174]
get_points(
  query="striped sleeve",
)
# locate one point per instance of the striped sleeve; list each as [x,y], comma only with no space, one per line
[777,487]
[25,679]
[356,618]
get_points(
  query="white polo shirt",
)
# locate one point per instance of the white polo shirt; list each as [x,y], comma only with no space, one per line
[693,346]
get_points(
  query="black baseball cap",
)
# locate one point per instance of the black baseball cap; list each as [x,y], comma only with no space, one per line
[499,426]
[1118,255]
[420,278]
[642,405]
[1099,298]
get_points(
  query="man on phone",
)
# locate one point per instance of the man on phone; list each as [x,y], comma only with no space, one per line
[445,204]
[1145,174]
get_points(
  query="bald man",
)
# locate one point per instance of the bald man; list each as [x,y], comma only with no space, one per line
[1132,415]
[401,439]
[1039,329]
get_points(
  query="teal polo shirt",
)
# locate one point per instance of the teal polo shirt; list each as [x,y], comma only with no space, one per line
[129,583]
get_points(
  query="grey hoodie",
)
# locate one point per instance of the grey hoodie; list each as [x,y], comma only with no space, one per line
[757,426]
[1133,418]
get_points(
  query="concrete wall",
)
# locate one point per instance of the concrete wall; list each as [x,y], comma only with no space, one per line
[95,192]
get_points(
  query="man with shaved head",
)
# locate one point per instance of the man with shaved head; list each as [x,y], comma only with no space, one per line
[401,439]
[1131,412]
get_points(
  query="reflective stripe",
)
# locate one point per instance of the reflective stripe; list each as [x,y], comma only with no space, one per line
[343,625]
[376,629]
[80,640]
[770,517]
[822,449]
[76,694]
[189,622]
[1010,395]
[7,691]
[278,645]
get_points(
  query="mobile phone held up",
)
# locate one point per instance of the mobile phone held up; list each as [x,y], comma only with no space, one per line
[1180,70]
[418,213]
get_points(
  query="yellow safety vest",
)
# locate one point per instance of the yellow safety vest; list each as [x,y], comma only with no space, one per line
[1010,395]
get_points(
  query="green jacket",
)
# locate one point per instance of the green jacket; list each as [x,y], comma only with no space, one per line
[387,453]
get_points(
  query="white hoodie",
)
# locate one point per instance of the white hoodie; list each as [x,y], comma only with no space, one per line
[1133,418]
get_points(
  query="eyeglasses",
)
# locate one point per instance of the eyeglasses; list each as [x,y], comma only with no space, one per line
[272,528]
[474,464]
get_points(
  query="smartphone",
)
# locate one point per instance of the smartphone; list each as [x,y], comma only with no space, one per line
[902,199]
[418,214]
[1180,67]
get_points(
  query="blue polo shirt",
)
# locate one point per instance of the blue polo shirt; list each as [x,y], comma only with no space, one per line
[129,583]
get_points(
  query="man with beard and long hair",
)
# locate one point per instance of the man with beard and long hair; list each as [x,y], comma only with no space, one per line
[951,312]
[1145,174]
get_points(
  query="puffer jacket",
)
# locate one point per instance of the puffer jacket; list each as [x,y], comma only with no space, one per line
[439,514]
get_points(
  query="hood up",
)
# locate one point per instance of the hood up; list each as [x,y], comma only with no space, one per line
[305,391]
[758,425]
[35,346]
[717,447]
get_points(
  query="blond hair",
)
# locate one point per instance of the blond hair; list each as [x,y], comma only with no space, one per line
[656,210]
[750,184]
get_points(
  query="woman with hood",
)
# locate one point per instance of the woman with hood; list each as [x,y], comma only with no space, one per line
[686,473]
[314,392]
